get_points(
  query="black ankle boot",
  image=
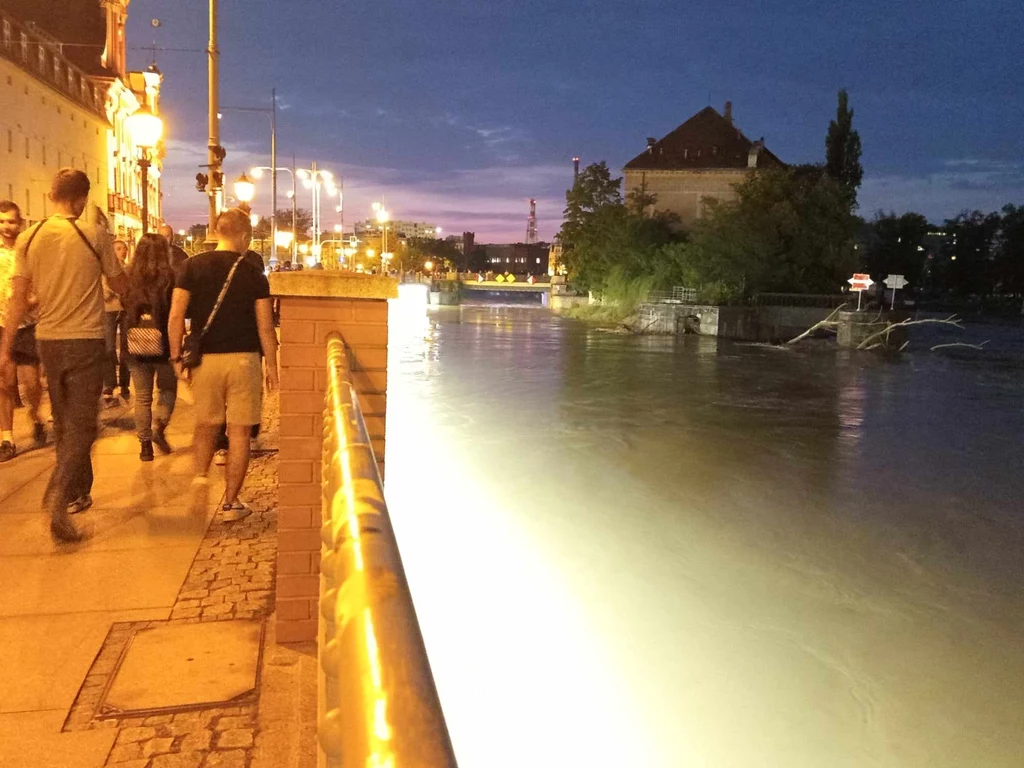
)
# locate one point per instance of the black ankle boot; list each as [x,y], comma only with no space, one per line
[159,439]
[146,454]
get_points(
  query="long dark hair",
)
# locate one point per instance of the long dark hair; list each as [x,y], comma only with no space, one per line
[151,275]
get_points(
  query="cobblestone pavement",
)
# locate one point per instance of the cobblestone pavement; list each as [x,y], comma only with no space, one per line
[231,577]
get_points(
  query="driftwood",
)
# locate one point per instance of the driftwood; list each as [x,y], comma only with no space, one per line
[961,344]
[882,336]
[829,324]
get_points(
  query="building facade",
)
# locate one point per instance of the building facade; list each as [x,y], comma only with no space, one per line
[515,258]
[702,159]
[65,94]
[401,229]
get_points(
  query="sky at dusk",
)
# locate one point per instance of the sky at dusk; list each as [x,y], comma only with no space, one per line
[457,112]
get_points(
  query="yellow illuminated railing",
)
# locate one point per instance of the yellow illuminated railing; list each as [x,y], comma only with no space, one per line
[378,704]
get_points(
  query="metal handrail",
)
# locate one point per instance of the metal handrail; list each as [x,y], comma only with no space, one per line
[378,703]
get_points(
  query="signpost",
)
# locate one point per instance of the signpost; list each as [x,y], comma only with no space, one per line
[895,283]
[860,283]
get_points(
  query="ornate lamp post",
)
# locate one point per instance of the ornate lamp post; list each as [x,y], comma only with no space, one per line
[145,128]
[245,190]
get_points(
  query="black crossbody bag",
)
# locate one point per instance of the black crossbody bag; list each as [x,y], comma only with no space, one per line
[192,344]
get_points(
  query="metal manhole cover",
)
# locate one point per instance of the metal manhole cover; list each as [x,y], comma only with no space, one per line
[180,666]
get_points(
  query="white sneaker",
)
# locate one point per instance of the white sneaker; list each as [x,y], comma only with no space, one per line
[231,513]
[200,494]
[220,458]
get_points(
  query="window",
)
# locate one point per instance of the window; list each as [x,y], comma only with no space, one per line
[7,38]
[698,153]
[56,70]
[71,80]
[42,59]
[24,47]
[714,149]
[686,154]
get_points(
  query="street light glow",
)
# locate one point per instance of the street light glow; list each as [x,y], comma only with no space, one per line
[245,190]
[145,128]
[256,173]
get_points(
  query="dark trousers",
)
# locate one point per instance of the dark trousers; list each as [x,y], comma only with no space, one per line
[74,371]
[115,337]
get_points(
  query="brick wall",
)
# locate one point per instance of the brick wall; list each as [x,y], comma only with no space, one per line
[305,325]
[684,192]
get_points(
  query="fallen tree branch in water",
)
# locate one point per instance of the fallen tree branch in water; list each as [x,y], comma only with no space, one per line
[829,323]
[883,334]
[961,344]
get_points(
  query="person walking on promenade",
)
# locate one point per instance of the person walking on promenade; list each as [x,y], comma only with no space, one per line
[147,308]
[228,303]
[178,255]
[26,357]
[62,260]
[115,372]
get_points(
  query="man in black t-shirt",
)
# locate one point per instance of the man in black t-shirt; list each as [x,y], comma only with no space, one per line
[227,383]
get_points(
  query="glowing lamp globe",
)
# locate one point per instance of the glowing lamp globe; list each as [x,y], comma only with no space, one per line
[145,128]
[245,190]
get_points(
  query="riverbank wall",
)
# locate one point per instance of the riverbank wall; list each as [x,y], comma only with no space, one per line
[760,324]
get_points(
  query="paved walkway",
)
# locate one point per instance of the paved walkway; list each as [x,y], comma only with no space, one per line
[67,613]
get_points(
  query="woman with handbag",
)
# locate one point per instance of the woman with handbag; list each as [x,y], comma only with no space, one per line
[147,306]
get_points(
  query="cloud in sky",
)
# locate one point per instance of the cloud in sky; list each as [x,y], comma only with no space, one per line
[493,201]
[957,184]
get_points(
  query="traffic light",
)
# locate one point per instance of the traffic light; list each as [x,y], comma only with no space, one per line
[218,180]
[202,180]
[220,153]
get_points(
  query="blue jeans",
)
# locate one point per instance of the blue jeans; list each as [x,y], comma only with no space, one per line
[143,375]
[74,371]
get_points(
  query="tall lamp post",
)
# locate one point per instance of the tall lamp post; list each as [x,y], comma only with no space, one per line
[316,179]
[382,218]
[145,129]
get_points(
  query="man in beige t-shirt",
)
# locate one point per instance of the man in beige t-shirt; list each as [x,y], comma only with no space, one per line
[61,261]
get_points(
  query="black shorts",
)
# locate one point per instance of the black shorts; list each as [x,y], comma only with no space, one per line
[24,351]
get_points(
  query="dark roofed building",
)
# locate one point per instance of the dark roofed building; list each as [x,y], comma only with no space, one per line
[702,158]
[79,25]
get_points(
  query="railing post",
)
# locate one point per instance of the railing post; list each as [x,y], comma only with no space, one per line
[314,304]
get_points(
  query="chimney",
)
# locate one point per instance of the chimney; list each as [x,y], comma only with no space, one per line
[728,111]
[650,144]
[755,151]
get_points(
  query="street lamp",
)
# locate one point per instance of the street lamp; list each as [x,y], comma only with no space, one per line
[316,179]
[145,129]
[257,173]
[245,190]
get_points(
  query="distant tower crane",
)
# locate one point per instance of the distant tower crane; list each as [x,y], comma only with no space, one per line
[531,223]
[575,169]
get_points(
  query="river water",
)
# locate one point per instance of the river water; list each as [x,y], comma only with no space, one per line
[645,551]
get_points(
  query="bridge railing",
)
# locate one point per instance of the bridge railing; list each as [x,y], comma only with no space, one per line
[378,704]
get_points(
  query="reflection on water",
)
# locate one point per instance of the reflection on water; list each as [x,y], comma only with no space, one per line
[674,552]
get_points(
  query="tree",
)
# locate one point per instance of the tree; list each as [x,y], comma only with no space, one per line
[1009,266]
[593,190]
[303,221]
[894,245]
[786,231]
[842,150]
[966,265]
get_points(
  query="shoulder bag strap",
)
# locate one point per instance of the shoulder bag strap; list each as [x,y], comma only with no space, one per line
[85,240]
[33,235]
[220,298]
